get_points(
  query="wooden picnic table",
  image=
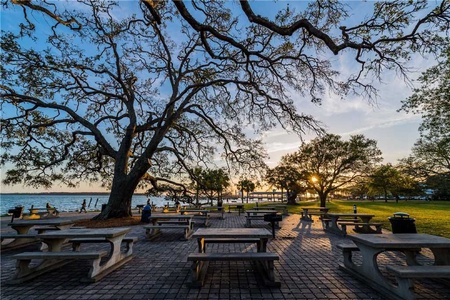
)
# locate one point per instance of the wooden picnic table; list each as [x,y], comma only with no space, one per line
[334,218]
[216,209]
[232,233]
[281,207]
[257,215]
[200,216]
[308,212]
[239,207]
[169,221]
[24,226]
[263,260]
[24,237]
[56,257]
[371,246]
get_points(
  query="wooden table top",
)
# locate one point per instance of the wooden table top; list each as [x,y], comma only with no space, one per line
[402,240]
[232,233]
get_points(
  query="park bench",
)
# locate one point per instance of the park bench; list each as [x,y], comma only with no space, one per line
[24,259]
[264,262]
[152,231]
[405,275]
[359,225]
[128,241]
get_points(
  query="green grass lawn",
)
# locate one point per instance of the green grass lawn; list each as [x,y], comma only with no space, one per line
[432,217]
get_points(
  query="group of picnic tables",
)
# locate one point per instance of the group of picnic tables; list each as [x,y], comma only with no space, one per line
[54,233]
[371,245]
[338,222]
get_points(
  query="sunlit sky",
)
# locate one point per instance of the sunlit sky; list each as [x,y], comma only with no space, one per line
[395,132]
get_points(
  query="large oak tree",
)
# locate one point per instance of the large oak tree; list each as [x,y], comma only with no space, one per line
[124,98]
[329,163]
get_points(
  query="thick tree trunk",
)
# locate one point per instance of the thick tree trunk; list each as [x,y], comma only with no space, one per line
[323,199]
[291,197]
[119,203]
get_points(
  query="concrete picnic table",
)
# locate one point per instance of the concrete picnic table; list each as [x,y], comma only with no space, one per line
[232,233]
[335,218]
[239,207]
[307,212]
[56,257]
[169,221]
[263,260]
[257,214]
[23,236]
[371,245]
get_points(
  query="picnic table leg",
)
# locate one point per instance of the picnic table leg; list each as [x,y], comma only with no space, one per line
[115,259]
[262,245]
[368,270]
[441,256]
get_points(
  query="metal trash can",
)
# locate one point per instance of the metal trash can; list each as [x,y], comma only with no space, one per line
[402,223]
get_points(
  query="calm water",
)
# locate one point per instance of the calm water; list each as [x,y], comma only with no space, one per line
[67,202]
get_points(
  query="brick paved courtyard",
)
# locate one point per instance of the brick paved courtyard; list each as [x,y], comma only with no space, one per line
[307,269]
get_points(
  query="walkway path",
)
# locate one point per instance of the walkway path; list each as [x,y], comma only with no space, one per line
[308,269]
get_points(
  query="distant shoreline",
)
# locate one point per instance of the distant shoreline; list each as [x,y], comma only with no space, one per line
[64,193]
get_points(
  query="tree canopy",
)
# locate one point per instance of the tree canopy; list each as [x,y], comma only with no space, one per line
[330,163]
[289,179]
[96,94]
[431,153]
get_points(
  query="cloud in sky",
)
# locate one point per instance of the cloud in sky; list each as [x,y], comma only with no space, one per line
[394,131]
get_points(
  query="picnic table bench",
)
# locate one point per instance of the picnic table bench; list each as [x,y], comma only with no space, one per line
[24,270]
[265,267]
[308,212]
[405,274]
